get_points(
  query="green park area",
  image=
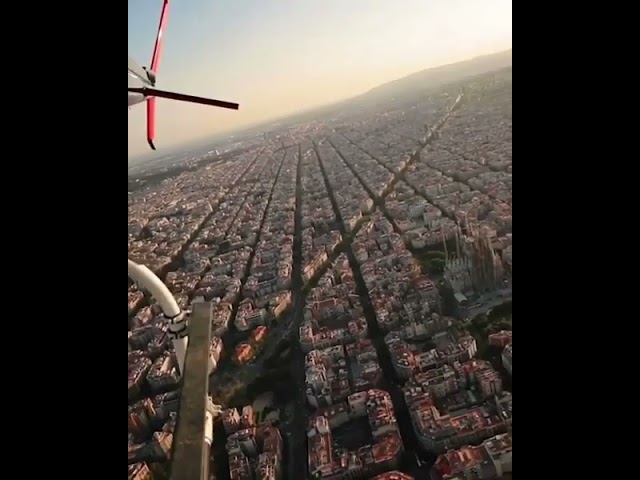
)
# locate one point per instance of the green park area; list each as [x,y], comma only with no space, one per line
[498,318]
[483,325]
[431,261]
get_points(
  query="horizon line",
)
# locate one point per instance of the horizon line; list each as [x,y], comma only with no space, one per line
[239,130]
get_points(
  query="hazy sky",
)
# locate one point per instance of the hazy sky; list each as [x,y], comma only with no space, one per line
[278,56]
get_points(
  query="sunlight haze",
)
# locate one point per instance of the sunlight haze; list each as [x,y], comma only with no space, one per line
[280,56]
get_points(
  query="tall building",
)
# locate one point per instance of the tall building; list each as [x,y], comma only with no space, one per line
[506,357]
[476,268]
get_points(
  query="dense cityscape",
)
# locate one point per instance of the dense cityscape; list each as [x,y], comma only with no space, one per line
[360,270]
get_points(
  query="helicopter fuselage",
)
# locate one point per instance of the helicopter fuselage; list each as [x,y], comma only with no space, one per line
[138,78]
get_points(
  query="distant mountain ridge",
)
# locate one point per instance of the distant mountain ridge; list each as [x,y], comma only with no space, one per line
[422,80]
[433,77]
